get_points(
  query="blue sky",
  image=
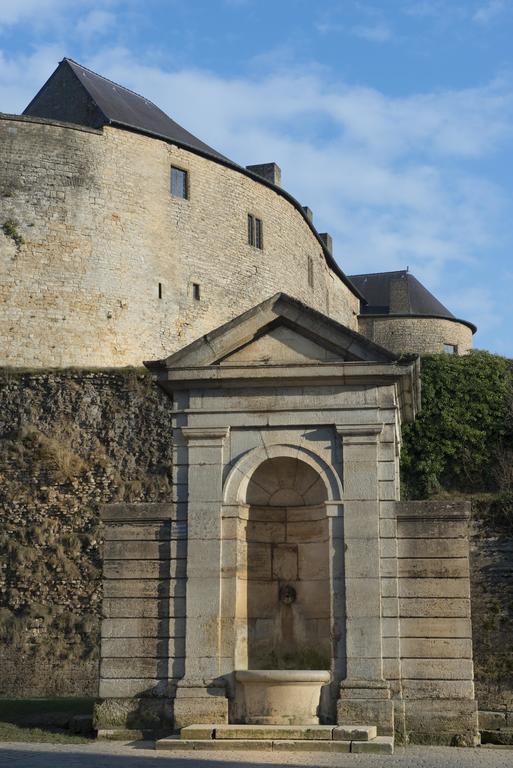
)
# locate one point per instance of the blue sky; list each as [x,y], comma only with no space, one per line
[392,119]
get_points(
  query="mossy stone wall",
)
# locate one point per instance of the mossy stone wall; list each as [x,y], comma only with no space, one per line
[69,441]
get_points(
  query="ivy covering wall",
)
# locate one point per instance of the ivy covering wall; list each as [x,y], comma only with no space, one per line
[463,437]
[462,446]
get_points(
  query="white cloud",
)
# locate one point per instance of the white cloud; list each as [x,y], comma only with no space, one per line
[434,8]
[457,11]
[23,76]
[489,11]
[55,14]
[421,8]
[375,33]
[478,304]
[95,23]
[20,10]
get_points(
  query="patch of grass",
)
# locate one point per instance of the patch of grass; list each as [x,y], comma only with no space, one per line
[494,511]
[70,371]
[11,732]
[53,453]
[15,710]
[10,229]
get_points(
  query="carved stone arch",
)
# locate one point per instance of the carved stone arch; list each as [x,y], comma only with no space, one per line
[237,481]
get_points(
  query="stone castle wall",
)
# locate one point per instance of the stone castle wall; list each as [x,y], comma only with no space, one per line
[423,335]
[101,231]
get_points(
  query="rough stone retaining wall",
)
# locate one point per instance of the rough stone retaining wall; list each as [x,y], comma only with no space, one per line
[69,442]
[491,572]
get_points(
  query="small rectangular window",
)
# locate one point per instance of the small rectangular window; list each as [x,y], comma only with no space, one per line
[196,291]
[255,232]
[179,183]
[160,290]
[451,349]
[310,272]
[259,235]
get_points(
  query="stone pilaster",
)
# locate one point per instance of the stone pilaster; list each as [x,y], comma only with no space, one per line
[200,695]
[364,694]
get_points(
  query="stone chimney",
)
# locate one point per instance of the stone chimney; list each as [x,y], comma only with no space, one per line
[328,242]
[268,171]
[309,213]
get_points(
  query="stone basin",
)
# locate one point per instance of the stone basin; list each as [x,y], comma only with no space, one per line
[280,696]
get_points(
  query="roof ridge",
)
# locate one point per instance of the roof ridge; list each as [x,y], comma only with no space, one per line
[118,85]
[388,272]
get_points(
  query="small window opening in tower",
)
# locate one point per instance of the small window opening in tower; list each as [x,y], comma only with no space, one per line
[196,291]
[310,272]
[179,183]
[160,290]
[255,232]
[451,349]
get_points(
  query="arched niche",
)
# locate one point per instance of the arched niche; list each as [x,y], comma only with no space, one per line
[286,552]
[238,478]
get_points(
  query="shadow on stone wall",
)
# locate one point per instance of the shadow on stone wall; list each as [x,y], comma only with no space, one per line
[492,610]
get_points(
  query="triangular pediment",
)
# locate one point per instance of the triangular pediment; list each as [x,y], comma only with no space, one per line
[279,331]
[281,344]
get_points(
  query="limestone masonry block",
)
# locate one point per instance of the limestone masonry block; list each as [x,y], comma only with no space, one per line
[354,733]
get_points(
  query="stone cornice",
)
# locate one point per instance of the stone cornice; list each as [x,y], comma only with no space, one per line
[359,433]
[205,433]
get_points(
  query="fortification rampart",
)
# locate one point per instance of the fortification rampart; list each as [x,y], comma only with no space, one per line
[105,272]
[422,335]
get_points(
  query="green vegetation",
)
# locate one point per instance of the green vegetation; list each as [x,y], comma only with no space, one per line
[42,720]
[11,732]
[498,513]
[463,439]
[51,630]
[10,229]
[17,710]
[50,452]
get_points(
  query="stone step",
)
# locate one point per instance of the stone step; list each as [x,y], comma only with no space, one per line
[280,732]
[381,745]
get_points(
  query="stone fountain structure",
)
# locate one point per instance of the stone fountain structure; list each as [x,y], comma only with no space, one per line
[285,585]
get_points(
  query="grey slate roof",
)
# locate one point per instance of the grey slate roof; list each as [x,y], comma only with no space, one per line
[123,107]
[400,293]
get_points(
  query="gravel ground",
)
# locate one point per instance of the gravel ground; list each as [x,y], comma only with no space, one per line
[141,755]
